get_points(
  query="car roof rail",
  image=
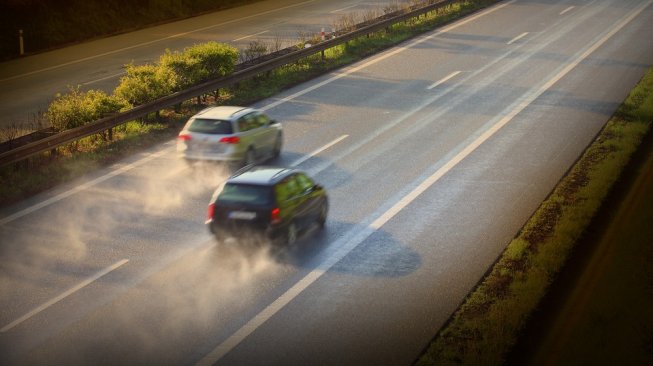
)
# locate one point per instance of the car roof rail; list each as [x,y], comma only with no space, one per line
[238,111]
[204,110]
[243,170]
[282,171]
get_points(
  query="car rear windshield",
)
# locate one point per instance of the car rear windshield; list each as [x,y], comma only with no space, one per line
[212,126]
[246,193]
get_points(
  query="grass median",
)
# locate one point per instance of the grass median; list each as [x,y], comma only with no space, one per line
[487,324]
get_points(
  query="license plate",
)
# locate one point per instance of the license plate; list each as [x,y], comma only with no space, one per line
[242,215]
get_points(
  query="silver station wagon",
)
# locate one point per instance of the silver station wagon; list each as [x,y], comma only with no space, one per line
[237,135]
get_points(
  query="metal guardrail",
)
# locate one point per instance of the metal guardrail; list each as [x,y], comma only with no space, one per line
[26,139]
[103,124]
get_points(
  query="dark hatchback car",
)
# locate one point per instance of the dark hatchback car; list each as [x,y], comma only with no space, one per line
[274,202]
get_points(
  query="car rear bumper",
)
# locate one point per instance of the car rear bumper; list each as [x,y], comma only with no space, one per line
[222,232]
[212,157]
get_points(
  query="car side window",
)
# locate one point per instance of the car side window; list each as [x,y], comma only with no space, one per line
[247,122]
[293,186]
[262,119]
[242,124]
[282,191]
[304,182]
[288,188]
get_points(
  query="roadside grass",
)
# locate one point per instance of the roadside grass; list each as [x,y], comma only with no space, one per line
[488,322]
[24,179]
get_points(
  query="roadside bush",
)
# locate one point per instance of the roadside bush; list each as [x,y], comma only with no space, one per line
[200,62]
[77,108]
[145,83]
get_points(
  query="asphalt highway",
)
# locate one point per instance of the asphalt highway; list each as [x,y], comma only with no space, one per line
[29,84]
[434,153]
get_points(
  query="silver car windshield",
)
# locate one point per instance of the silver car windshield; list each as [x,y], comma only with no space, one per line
[211,126]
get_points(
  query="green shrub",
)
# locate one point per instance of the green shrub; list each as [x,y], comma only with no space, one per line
[77,108]
[213,59]
[200,62]
[145,83]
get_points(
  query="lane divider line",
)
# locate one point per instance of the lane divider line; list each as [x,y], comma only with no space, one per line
[317,151]
[444,80]
[64,295]
[104,78]
[517,38]
[230,343]
[251,35]
[567,10]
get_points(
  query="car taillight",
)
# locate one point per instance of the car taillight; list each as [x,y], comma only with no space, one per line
[275,215]
[230,140]
[184,137]
[211,211]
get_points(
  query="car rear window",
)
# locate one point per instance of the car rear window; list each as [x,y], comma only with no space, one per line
[212,126]
[246,193]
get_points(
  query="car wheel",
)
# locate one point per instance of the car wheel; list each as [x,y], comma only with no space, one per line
[250,157]
[322,217]
[291,234]
[277,146]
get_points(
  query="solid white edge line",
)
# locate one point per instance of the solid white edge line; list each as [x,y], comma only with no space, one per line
[153,41]
[517,38]
[64,295]
[443,80]
[567,10]
[231,342]
[317,151]
[251,35]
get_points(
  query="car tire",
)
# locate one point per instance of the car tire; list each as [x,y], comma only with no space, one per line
[277,146]
[291,234]
[322,216]
[250,157]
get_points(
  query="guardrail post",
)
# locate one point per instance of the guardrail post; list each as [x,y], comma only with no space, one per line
[20,42]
